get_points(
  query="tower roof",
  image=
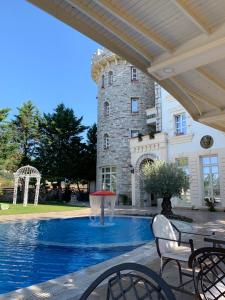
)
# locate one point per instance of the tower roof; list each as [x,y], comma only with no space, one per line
[27,171]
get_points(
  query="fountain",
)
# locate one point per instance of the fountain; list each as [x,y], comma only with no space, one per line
[101,200]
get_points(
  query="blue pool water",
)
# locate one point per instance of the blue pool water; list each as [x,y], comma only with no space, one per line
[36,251]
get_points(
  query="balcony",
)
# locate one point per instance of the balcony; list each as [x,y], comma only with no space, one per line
[146,143]
[151,114]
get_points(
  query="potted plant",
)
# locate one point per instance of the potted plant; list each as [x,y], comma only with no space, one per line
[210,202]
[152,135]
[165,180]
[140,135]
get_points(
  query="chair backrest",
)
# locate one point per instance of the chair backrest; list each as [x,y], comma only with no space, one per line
[162,228]
[129,281]
[208,265]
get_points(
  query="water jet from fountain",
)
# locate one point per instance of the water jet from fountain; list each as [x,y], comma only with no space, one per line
[102,202]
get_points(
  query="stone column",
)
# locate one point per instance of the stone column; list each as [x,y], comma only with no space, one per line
[26,190]
[133,189]
[37,191]
[15,190]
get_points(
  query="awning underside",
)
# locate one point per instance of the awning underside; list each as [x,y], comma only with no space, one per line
[180,43]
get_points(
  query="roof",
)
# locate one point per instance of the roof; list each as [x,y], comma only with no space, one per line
[180,43]
[27,171]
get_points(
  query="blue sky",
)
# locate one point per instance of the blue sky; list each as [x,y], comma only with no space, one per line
[44,60]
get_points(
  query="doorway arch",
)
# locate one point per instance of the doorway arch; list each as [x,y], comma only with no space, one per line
[143,198]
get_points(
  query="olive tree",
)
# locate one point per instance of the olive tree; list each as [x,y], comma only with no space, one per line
[164,180]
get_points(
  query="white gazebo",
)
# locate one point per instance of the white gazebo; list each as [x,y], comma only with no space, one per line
[26,173]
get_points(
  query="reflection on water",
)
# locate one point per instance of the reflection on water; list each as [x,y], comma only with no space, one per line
[36,251]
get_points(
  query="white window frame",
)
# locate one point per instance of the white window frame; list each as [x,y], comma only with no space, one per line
[134,100]
[108,173]
[133,131]
[180,123]
[185,196]
[185,167]
[210,165]
[106,141]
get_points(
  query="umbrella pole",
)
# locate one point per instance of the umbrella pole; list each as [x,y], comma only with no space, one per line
[102,211]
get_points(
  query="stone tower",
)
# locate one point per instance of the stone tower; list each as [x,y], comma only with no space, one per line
[124,94]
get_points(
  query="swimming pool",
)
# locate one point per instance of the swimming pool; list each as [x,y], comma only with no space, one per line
[36,251]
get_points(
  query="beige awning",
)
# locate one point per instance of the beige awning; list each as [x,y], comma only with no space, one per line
[180,43]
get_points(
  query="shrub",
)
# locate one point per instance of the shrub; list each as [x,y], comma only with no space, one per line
[210,202]
[164,180]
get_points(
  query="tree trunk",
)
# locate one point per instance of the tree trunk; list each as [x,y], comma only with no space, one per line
[77,183]
[166,206]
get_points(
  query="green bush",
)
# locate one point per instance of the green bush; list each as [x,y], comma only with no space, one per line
[164,180]
[210,202]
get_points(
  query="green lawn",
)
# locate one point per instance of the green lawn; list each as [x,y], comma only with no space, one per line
[40,208]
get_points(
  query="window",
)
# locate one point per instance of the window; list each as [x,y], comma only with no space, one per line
[133,74]
[183,164]
[134,105]
[103,81]
[134,133]
[152,116]
[106,109]
[109,178]
[106,141]
[180,124]
[210,173]
[110,78]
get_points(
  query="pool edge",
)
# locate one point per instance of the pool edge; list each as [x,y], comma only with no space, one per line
[72,285]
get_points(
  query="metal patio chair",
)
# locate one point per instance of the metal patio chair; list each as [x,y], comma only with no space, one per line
[129,281]
[208,265]
[171,247]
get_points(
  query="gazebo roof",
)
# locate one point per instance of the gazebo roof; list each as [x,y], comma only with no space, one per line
[27,171]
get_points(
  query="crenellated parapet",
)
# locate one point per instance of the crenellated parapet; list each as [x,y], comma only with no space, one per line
[100,59]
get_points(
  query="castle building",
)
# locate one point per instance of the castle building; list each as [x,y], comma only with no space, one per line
[124,95]
[138,121]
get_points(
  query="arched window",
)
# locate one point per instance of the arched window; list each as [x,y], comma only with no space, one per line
[133,74]
[103,81]
[110,77]
[106,109]
[106,141]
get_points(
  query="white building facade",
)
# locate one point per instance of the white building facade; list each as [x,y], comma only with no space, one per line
[198,149]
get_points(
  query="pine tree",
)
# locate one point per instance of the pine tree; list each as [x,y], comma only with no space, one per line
[60,150]
[9,154]
[26,131]
[90,154]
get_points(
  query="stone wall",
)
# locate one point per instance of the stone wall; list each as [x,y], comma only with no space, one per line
[120,121]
